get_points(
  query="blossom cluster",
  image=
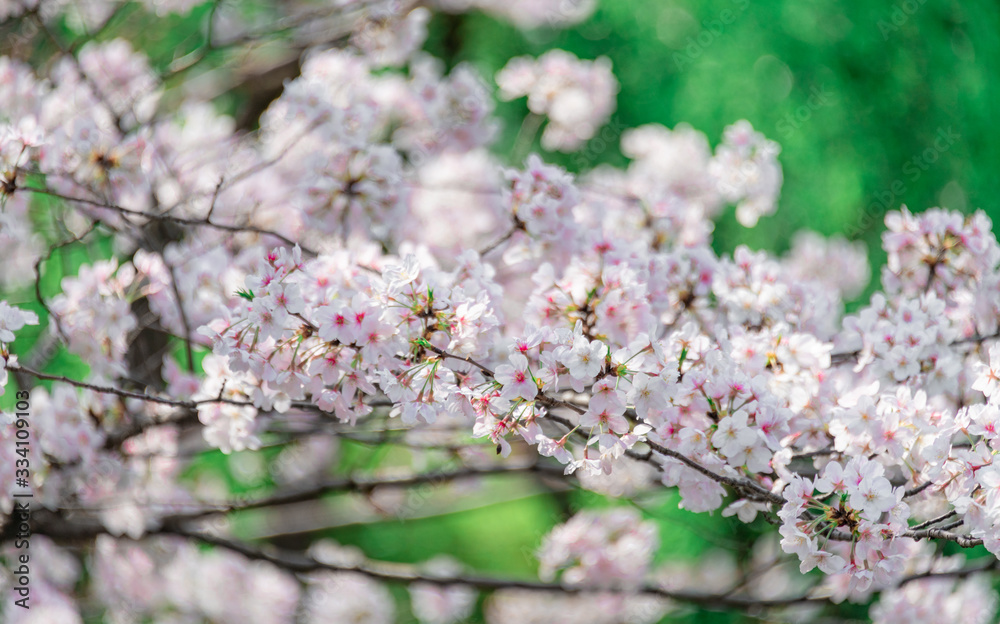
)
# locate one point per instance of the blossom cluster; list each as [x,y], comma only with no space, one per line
[577,96]
[852,499]
[595,549]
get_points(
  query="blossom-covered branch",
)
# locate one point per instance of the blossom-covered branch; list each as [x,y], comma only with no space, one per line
[366,269]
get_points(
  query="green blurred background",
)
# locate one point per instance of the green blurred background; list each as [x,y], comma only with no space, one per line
[856,92]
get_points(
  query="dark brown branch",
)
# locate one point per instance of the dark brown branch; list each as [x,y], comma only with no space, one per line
[128,394]
[916,490]
[499,241]
[165,217]
[932,521]
[745,487]
[965,541]
[850,356]
[183,313]
[38,274]
[991,565]
[296,562]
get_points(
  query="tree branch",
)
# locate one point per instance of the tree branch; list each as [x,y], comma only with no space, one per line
[292,561]
[165,217]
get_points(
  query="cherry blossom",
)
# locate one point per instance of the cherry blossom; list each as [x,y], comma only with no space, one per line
[367,269]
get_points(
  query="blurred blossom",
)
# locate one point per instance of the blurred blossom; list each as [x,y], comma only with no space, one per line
[577,96]
[596,549]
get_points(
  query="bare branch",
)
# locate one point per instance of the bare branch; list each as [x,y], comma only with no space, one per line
[165,217]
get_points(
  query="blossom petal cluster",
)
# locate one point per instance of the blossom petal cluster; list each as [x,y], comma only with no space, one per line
[577,97]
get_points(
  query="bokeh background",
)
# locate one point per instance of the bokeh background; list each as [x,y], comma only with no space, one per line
[856,92]
[875,105]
